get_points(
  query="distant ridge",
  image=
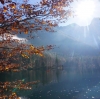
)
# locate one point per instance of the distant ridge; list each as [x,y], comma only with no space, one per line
[72,39]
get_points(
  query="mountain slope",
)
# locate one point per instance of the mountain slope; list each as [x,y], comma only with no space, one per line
[72,39]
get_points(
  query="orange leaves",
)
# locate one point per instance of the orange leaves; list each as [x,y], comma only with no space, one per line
[42,49]
[22,6]
[36,16]
[8,88]
[24,55]
[47,29]
[10,55]
[52,25]
[43,2]
[43,22]
[13,28]
[41,54]
[31,47]
[26,19]
[5,9]
[35,50]
[25,6]
[12,5]
[32,26]
[1,18]
[26,31]
[15,11]
[38,50]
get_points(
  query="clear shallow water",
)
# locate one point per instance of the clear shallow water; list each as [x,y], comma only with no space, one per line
[59,84]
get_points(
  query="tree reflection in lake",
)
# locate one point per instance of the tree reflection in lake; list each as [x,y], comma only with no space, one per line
[70,85]
[57,84]
[23,82]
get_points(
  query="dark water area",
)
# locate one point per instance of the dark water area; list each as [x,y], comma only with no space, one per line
[57,84]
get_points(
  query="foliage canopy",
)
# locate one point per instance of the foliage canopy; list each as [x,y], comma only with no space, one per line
[24,18]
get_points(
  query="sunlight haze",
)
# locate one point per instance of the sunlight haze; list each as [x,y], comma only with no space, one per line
[85,11]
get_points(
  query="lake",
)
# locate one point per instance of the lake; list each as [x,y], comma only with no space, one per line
[56,84]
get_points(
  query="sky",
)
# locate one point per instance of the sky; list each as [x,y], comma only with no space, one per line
[86,6]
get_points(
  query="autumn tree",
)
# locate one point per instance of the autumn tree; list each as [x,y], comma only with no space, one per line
[24,18]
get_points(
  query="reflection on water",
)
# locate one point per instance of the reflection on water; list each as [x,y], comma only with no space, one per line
[44,76]
[57,84]
[23,82]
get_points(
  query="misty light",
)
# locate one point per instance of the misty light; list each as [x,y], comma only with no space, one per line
[85,9]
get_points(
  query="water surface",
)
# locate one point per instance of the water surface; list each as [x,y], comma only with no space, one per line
[58,84]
